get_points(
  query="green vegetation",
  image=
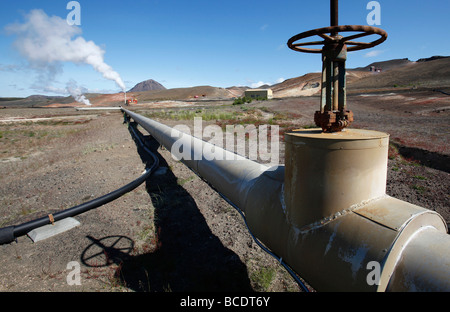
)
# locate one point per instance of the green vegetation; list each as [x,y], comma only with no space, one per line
[263,277]
[243,100]
[419,189]
[393,152]
[409,85]
[7,99]
[206,115]
[23,139]
[181,182]
[97,148]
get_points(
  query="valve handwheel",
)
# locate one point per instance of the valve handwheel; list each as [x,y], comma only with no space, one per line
[333,115]
[334,39]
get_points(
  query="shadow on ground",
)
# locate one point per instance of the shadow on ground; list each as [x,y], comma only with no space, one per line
[426,158]
[187,255]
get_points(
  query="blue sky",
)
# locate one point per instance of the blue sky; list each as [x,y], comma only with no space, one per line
[218,43]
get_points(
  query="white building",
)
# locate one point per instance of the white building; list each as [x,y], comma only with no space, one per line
[259,93]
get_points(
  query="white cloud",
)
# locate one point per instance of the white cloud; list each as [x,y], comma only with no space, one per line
[262,83]
[373,53]
[259,84]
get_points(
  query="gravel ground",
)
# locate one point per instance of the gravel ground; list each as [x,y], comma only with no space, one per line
[171,234]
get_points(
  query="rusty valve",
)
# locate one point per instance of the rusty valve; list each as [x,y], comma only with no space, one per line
[333,115]
[337,40]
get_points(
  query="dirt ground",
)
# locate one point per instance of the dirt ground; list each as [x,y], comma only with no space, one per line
[174,233]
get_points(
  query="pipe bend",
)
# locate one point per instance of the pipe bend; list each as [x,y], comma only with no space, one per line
[342,248]
[417,270]
[408,221]
[335,255]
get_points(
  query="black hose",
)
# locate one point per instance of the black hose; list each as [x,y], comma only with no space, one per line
[443,92]
[9,234]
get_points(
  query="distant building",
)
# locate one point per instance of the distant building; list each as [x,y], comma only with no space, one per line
[259,93]
[375,69]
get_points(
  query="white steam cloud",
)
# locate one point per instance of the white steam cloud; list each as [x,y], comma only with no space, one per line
[77,92]
[47,42]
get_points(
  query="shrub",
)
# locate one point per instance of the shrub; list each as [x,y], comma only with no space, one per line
[243,100]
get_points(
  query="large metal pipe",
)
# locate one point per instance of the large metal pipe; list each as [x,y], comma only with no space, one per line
[233,176]
[342,220]
[325,213]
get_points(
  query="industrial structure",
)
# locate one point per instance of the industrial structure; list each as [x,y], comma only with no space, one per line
[325,213]
[266,94]
[375,69]
[132,100]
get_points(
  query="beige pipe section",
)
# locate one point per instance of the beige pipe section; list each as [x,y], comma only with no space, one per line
[421,270]
[326,213]
[330,172]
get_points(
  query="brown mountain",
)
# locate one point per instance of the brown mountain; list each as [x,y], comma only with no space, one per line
[385,65]
[191,93]
[426,73]
[309,84]
[433,72]
[147,85]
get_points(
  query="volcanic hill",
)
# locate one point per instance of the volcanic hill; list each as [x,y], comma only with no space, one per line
[147,85]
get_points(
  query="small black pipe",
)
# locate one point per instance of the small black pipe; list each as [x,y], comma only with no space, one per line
[334,16]
[334,21]
[9,234]
[22,229]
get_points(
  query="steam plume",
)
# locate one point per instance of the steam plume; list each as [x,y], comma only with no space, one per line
[77,92]
[46,42]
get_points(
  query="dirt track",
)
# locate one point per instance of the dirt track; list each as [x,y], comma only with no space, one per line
[174,233]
